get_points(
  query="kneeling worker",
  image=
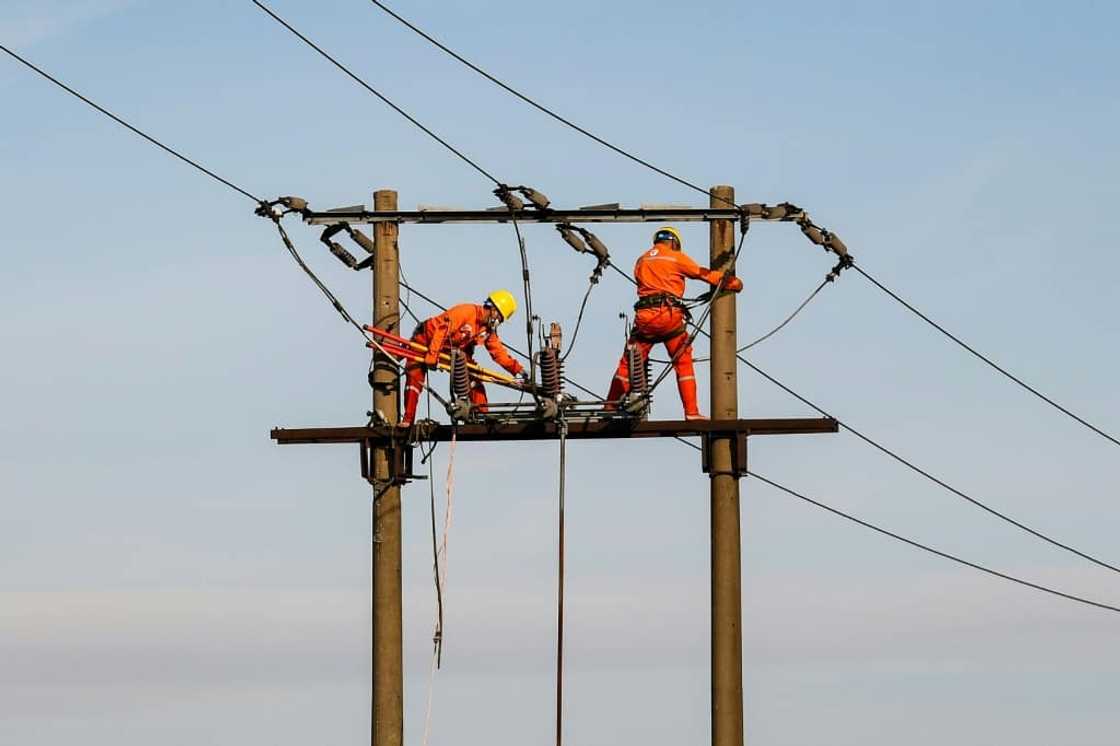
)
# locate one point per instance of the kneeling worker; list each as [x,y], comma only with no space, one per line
[661,317]
[461,327]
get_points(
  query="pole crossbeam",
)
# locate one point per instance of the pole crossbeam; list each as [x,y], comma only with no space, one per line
[548,430]
[598,214]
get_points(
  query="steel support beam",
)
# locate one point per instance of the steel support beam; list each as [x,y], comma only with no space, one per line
[501,215]
[577,430]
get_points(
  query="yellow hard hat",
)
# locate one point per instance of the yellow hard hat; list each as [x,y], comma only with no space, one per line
[504,301]
[667,233]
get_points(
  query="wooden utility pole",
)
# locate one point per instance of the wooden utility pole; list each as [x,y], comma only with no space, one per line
[387,710]
[727,614]
[385,451]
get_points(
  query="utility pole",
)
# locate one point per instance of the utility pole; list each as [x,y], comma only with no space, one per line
[385,450]
[387,709]
[727,609]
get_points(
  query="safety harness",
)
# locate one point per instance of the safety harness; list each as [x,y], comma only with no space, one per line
[660,300]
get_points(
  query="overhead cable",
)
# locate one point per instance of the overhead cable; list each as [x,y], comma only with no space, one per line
[458,153]
[931,550]
[540,107]
[987,360]
[918,470]
[171,151]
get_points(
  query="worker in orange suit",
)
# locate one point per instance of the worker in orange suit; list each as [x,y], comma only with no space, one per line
[661,317]
[461,327]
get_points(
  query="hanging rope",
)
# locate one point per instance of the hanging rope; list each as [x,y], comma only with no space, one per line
[440,559]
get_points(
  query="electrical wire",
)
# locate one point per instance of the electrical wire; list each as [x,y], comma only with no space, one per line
[913,467]
[985,359]
[540,107]
[931,550]
[789,318]
[770,333]
[167,149]
[526,289]
[458,153]
[579,321]
[918,470]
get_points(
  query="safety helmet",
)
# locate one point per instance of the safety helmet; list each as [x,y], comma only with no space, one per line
[504,301]
[668,233]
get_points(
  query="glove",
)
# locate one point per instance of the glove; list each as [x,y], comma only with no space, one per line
[432,358]
[734,284]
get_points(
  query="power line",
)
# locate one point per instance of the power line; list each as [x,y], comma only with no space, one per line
[991,363]
[134,130]
[917,469]
[540,107]
[377,93]
[931,550]
[567,122]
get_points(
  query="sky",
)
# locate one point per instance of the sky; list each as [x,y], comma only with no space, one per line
[167,572]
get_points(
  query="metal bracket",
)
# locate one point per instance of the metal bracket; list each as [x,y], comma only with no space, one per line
[738,454]
[399,456]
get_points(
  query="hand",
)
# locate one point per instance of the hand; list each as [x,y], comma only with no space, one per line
[432,358]
[734,284]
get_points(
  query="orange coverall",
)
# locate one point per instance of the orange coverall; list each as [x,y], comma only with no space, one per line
[661,273]
[461,327]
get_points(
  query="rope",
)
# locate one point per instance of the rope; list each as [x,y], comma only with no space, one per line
[376,93]
[931,550]
[991,363]
[129,127]
[441,577]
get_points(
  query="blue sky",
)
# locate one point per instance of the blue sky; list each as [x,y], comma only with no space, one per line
[167,572]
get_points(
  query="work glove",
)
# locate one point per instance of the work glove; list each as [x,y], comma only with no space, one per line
[734,284]
[432,358]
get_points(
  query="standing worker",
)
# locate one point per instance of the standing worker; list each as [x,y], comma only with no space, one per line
[461,327]
[660,315]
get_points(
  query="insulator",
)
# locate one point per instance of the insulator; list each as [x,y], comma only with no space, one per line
[343,255]
[552,372]
[511,200]
[460,376]
[777,212]
[539,200]
[837,246]
[362,240]
[572,238]
[597,246]
[813,233]
[638,371]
